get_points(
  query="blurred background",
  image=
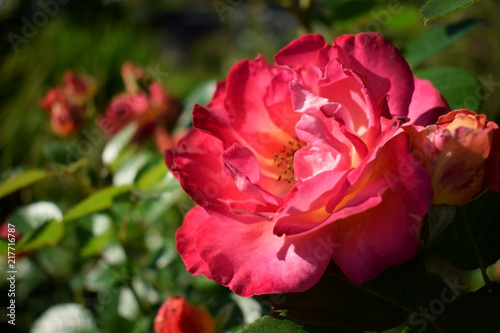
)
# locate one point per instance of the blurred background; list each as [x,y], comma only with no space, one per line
[183,44]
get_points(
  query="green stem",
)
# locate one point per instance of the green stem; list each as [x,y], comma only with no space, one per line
[482,267]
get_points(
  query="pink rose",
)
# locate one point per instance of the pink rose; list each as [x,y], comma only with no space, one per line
[65,117]
[122,110]
[302,162]
[66,104]
[154,111]
[461,153]
[78,89]
[176,315]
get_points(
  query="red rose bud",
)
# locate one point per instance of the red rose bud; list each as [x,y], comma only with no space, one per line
[461,154]
[65,117]
[122,110]
[78,89]
[176,315]
[6,231]
[155,112]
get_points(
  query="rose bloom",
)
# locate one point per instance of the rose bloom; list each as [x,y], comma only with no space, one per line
[78,89]
[461,152]
[65,104]
[65,117]
[155,111]
[176,315]
[299,163]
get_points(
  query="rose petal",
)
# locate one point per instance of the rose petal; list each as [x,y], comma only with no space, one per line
[184,239]
[427,104]
[385,234]
[295,264]
[309,50]
[213,188]
[381,66]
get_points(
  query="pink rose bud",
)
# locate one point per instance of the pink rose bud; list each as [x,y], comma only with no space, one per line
[78,89]
[154,111]
[461,154]
[65,117]
[176,315]
[122,110]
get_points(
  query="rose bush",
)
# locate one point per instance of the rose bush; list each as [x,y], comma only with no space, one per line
[305,161]
[461,152]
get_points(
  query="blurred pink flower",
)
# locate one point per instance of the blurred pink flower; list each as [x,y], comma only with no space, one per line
[155,111]
[66,104]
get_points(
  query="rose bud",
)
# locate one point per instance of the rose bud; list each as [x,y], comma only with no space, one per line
[78,89]
[65,117]
[176,315]
[155,114]
[122,110]
[461,154]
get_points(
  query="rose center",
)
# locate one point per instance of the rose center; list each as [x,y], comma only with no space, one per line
[284,160]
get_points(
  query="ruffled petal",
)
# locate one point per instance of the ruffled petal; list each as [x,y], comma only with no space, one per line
[307,51]
[427,104]
[264,264]
[305,207]
[213,188]
[184,238]
[381,66]
[387,233]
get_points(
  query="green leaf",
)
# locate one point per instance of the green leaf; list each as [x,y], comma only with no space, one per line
[156,181]
[269,324]
[152,177]
[103,276]
[461,89]
[439,217]
[381,304]
[437,8]
[472,240]
[66,318]
[29,217]
[435,40]
[128,170]
[61,153]
[48,234]
[97,201]
[22,179]
[116,145]
[94,233]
